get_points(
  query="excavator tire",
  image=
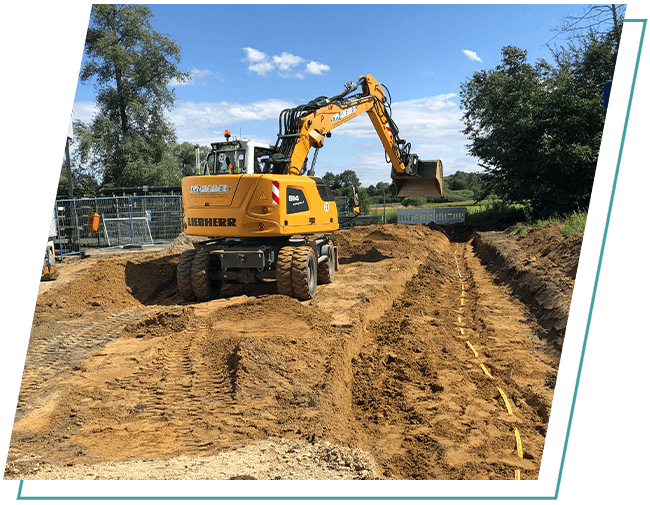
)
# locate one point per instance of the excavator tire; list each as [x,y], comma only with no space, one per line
[283,270]
[184,274]
[304,269]
[203,285]
[327,267]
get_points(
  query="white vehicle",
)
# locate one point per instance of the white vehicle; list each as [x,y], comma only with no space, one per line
[239,156]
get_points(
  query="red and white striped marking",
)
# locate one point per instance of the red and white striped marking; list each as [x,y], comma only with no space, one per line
[275,190]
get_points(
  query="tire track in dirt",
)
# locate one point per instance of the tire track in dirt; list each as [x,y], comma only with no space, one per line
[49,358]
[185,387]
[191,378]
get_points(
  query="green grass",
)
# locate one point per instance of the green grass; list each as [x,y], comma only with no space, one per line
[575,223]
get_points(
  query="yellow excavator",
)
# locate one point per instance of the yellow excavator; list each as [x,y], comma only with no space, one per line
[267,216]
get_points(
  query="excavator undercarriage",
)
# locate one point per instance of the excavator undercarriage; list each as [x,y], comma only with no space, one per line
[296,263]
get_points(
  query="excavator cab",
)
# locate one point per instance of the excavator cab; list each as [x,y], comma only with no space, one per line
[421,178]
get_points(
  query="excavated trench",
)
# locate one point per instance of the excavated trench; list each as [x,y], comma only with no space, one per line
[430,356]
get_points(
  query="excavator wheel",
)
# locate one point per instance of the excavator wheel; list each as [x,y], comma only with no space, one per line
[204,285]
[184,274]
[304,273]
[326,268]
[283,270]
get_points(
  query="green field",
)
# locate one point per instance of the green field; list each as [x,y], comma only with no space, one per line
[495,216]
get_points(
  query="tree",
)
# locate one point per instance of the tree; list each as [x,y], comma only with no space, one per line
[388,189]
[84,182]
[185,155]
[349,179]
[333,181]
[346,179]
[597,21]
[537,129]
[131,66]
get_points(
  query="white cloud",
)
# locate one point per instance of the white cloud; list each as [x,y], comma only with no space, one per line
[471,55]
[258,61]
[286,61]
[315,68]
[197,121]
[197,76]
[262,68]
[285,64]
[84,111]
[254,56]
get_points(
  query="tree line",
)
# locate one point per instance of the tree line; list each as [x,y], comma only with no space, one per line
[534,127]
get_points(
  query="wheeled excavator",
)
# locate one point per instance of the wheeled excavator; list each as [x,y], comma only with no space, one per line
[265,214]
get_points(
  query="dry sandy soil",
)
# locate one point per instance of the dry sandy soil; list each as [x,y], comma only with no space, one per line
[432,355]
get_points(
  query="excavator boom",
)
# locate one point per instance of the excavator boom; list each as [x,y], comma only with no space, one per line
[306,127]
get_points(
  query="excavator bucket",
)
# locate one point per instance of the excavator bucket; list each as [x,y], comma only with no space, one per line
[427,182]
[49,273]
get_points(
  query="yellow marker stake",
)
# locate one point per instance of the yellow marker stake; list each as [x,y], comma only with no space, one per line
[520,451]
[517,474]
[486,372]
[459,319]
[472,348]
[461,331]
[505,399]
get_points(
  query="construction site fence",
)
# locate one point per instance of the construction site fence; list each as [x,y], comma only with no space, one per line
[446,215]
[123,221]
[151,219]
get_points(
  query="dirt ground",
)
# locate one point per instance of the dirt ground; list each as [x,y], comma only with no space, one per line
[432,355]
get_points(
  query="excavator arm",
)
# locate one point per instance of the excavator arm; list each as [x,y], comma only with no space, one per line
[306,127]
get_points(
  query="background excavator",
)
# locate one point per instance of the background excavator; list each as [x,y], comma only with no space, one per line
[267,216]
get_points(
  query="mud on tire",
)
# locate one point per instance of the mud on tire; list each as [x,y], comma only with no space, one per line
[283,270]
[204,284]
[184,274]
[304,273]
[326,268]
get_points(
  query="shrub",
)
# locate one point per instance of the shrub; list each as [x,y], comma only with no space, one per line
[411,201]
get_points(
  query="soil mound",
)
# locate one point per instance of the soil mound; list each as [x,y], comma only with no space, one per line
[115,283]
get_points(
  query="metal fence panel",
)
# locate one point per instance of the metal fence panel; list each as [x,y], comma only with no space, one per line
[450,215]
[124,220]
[341,205]
[414,216]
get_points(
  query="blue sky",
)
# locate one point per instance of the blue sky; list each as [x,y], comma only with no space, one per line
[248,62]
